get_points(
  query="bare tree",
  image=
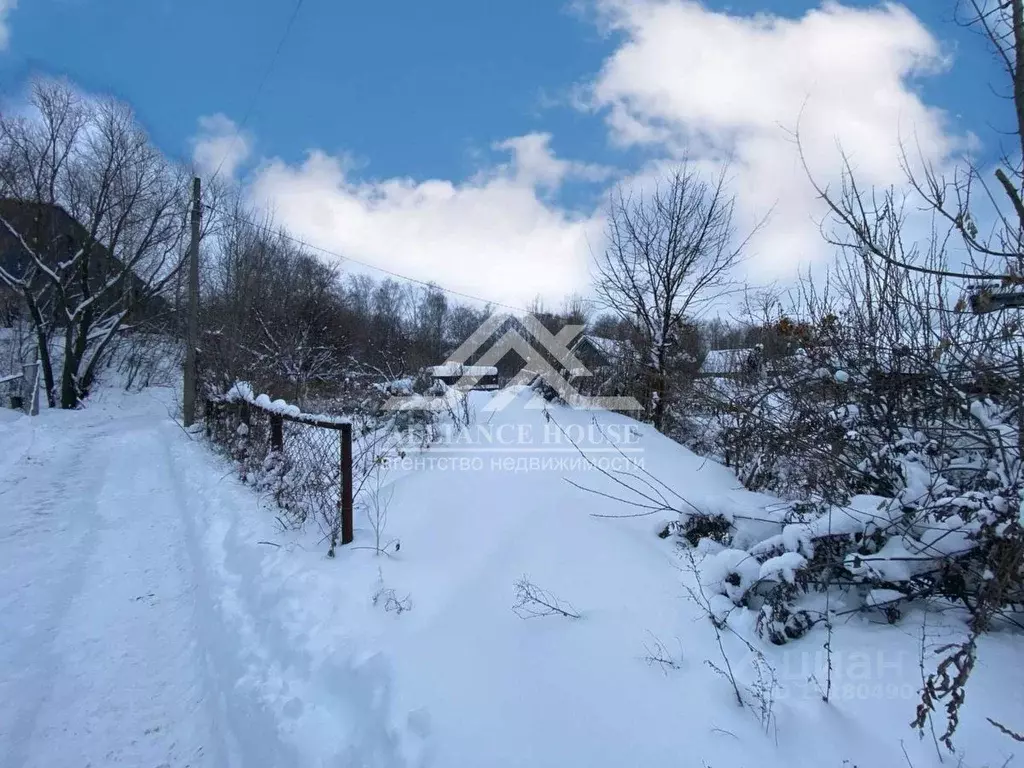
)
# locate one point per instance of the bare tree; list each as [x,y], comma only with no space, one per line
[960,367]
[272,313]
[988,254]
[97,217]
[670,253]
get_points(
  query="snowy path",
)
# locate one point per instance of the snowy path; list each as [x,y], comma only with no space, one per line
[99,609]
[145,621]
[131,632]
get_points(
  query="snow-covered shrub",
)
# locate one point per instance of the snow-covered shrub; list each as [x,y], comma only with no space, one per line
[730,572]
[545,390]
[695,527]
[893,433]
[424,416]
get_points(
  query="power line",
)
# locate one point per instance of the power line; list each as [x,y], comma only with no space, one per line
[384,270]
[259,88]
[241,126]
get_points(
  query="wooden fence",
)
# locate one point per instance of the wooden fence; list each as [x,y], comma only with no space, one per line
[21,390]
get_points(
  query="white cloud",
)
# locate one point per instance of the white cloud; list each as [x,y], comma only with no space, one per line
[720,87]
[683,79]
[219,145]
[6,6]
[493,235]
[535,164]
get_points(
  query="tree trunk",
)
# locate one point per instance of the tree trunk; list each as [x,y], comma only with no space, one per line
[43,349]
[658,396]
[68,385]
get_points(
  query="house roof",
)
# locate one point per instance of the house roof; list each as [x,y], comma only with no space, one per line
[40,224]
[611,349]
[55,234]
[458,369]
[726,361]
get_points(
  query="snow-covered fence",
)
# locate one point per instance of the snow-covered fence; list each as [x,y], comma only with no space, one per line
[303,461]
[21,390]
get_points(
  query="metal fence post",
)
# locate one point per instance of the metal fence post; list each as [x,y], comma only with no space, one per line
[346,484]
[276,432]
[30,387]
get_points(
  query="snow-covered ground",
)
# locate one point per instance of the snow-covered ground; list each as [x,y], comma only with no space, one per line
[152,613]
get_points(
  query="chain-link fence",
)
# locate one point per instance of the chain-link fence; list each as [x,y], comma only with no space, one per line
[304,463]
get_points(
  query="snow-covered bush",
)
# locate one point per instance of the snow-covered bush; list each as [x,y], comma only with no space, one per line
[890,424]
[428,410]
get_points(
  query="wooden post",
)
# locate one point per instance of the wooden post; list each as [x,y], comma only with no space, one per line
[191,384]
[346,484]
[276,432]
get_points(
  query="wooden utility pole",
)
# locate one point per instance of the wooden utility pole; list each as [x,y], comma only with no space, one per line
[192,329]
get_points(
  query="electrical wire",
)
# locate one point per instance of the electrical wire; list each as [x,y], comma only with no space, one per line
[384,270]
[259,88]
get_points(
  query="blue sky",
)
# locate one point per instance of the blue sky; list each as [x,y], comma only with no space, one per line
[413,88]
[424,91]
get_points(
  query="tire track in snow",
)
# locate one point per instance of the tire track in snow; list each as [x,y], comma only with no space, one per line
[122,685]
[37,519]
[307,710]
[248,733]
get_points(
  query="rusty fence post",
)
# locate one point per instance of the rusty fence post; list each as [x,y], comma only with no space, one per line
[276,432]
[346,484]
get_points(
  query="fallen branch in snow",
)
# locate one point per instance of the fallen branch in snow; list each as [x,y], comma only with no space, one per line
[650,498]
[657,653]
[1012,734]
[388,597]
[533,602]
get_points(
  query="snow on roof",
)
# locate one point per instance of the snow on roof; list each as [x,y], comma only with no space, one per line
[458,369]
[726,360]
[612,349]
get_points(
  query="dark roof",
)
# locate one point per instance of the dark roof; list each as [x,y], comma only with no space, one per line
[55,235]
[46,228]
[609,351]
